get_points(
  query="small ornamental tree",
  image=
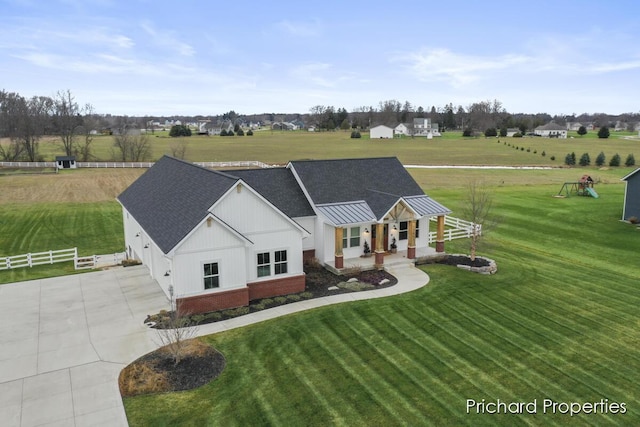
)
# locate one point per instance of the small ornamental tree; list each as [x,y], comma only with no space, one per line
[240,132]
[585,160]
[603,132]
[601,159]
[230,133]
[615,160]
[582,130]
[223,132]
[467,132]
[630,161]
[503,131]
[249,132]
[355,134]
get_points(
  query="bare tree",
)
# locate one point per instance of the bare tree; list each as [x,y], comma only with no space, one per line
[130,145]
[179,149]
[176,329]
[66,120]
[24,122]
[477,209]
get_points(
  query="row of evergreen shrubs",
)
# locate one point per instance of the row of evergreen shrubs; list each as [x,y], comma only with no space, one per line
[585,160]
[240,132]
[543,154]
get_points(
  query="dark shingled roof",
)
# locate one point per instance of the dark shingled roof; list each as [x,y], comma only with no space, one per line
[172,197]
[279,187]
[378,181]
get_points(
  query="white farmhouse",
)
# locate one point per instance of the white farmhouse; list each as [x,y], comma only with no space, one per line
[217,240]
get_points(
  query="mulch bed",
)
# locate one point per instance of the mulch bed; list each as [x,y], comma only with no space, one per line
[463,260]
[156,372]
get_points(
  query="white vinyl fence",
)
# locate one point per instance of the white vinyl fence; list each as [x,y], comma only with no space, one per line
[243,164]
[63,255]
[456,229]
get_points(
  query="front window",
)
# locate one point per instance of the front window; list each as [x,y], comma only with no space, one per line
[264,264]
[351,237]
[211,275]
[280,262]
[403,231]
[355,237]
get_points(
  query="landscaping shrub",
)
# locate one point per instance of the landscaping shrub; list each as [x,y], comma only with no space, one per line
[543,154]
[552,157]
[294,297]
[467,132]
[630,161]
[615,160]
[355,134]
[570,159]
[234,312]
[603,132]
[517,135]
[585,160]
[249,132]
[633,220]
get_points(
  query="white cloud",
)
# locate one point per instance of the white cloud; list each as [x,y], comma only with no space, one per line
[456,69]
[168,40]
[300,29]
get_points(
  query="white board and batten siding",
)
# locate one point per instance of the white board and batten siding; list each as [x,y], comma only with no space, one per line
[197,249]
[266,228]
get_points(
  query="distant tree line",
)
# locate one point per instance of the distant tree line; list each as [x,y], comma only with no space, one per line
[24,121]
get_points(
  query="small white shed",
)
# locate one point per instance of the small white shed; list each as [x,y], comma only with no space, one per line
[66,162]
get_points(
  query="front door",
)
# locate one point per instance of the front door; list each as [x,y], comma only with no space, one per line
[385,233]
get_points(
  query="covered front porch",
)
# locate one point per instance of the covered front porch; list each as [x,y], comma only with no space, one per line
[390,259]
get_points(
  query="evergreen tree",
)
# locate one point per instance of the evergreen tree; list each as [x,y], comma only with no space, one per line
[631,161]
[601,159]
[603,132]
[582,130]
[585,160]
[615,160]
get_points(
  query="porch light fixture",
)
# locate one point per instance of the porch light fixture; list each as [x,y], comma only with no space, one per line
[395,228]
[146,246]
[168,273]
[366,231]
[138,234]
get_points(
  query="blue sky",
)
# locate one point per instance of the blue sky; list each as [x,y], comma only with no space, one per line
[145,57]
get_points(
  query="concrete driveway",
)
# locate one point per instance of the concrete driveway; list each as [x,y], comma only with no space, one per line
[63,342]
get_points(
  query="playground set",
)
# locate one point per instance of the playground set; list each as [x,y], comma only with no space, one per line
[583,187]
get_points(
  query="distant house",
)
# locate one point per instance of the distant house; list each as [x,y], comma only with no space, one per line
[66,162]
[216,240]
[402,129]
[551,130]
[512,131]
[381,131]
[575,126]
[631,207]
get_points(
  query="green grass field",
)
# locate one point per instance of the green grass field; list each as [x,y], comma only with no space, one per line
[280,147]
[559,321]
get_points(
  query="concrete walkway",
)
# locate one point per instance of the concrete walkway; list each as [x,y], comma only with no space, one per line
[65,340]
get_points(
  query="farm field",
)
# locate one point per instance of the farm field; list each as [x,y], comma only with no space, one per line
[559,321]
[451,149]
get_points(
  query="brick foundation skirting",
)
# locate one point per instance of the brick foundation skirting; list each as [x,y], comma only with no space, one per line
[213,301]
[276,287]
[308,255]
